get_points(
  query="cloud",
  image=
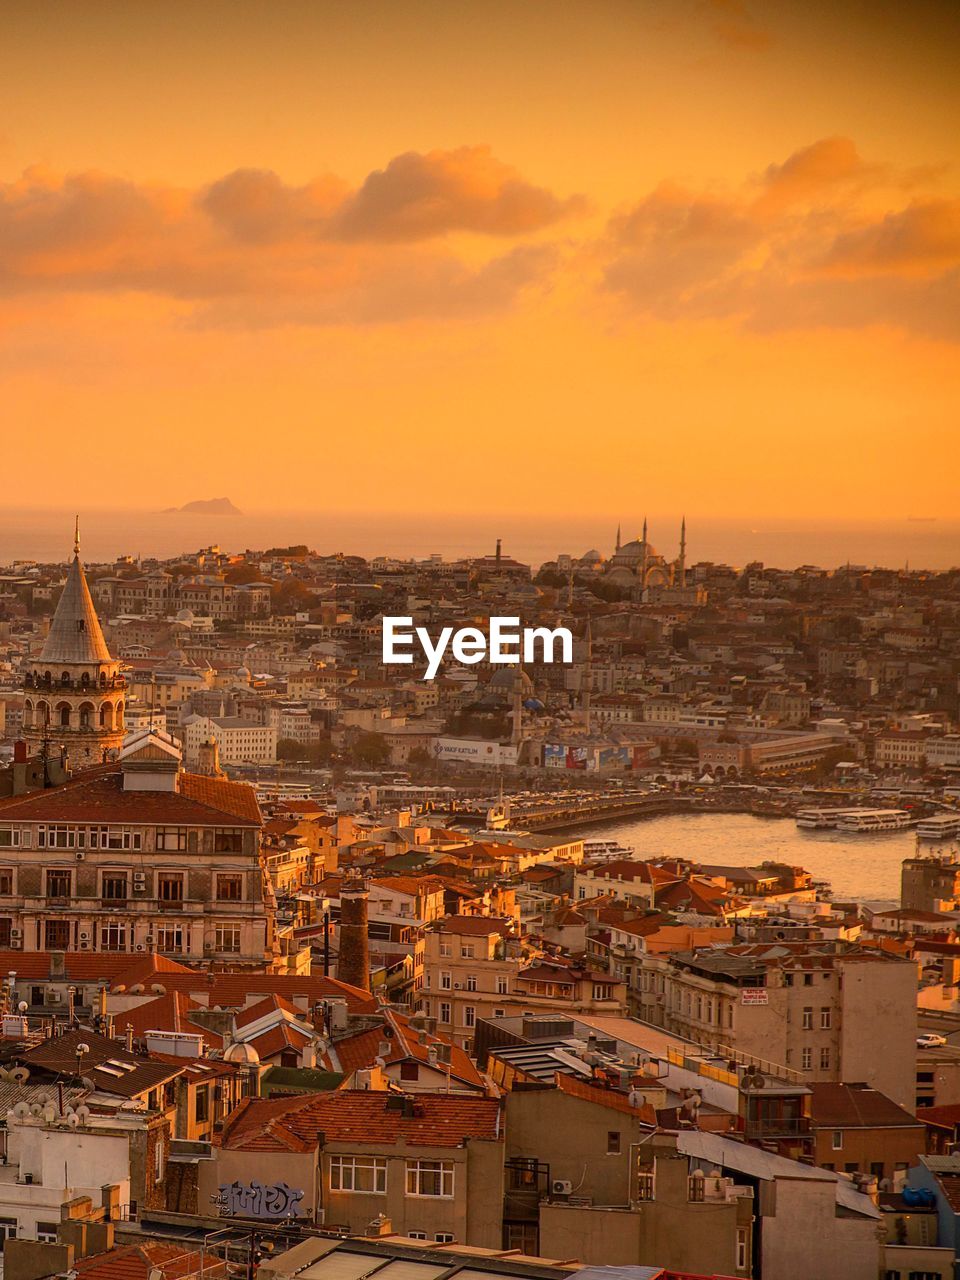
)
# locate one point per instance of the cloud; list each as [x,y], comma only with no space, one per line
[734,25]
[258,250]
[803,253]
[922,239]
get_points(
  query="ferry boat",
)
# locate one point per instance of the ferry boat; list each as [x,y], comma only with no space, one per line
[821,819]
[940,826]
[867,820]
[606,851]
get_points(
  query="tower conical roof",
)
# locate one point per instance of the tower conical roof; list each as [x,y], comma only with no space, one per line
[75,633]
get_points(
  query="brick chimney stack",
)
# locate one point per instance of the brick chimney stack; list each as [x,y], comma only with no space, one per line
[354,963]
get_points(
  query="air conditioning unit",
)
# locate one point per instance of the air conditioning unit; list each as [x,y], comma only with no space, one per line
[84,937]
[457,986]
[80,855]
[139,888]
[139,877]
[53,997]
[16,933]
[561,1187]
[149,940]
[140,946]
[84,946]
[208,946]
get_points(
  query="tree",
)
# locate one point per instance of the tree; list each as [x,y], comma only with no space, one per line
[371,750]
[241,574]
[291,596]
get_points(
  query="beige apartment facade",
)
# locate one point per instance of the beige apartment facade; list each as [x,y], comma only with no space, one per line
[468,975]
[829,1011]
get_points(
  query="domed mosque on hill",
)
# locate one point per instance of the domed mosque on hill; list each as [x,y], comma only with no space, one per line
[639,568]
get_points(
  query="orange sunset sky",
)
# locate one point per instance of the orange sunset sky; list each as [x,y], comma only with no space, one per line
[482,256]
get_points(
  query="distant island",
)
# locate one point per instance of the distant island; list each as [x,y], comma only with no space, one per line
[205,507]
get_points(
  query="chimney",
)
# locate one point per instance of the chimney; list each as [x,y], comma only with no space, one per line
[129,1038]
[499,549]
[354,962]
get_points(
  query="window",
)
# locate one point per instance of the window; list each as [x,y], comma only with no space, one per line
[172,839]
[837,1142]
[47,1232]
[359,1173]
[469,1015]
[229,888]
[416,1235]
[227,937]
[9,837]
[807,1023]
[742,1258]
[159,1155]
[6,932]
[202,1104]
[471,982]
[169,938]
[56,936]
[502,987]
[445,948]
[499,1013]
[170,887]
[58,884]
[409,1070]
[8,1228]
[806,1059]
[613,1142]
[808,979]
[113,937]
[645,1184]
[444,1011]
[6,882]
[228,840]
[114,885]
[445,980]
[466,950]
[824,1019]
[824,1059]
[430,1178]
[443,1237]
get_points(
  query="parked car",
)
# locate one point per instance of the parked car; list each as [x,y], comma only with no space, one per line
[930,1040]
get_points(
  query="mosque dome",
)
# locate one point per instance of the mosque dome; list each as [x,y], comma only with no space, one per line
[506,680]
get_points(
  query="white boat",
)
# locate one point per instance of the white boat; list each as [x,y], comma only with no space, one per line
[940,826]
[606,851]
[867,820]
[821,819]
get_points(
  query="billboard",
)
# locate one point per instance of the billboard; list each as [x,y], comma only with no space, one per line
[475,751]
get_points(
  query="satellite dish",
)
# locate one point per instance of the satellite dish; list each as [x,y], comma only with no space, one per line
[159,989]
[21,1111]
[73,1121]
[20,1075]
[83,1114]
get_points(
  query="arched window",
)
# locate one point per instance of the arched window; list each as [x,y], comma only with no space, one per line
[119,724]
[106,716]
[65,679]
[86,715]
[85,681]
[63,714]
[28,714]
[43,713]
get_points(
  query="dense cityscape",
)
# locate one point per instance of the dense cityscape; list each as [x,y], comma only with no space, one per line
[308,956]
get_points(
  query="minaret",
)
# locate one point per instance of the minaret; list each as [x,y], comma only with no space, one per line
[586,677]
[683,552]
[74,693]
[643,562]
[618,538]
[517,732]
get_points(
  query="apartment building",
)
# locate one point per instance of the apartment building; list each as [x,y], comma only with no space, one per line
[469,974]
[832,1011]
[139,857]
[238,740]
[432,1165]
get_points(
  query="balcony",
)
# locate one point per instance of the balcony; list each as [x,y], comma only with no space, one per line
[794,1127]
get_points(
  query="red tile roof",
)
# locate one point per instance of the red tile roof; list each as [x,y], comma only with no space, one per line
[355,1052]
[139,1261]
[854,1106]
[199,802]
[359,1116]
[170,1012]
